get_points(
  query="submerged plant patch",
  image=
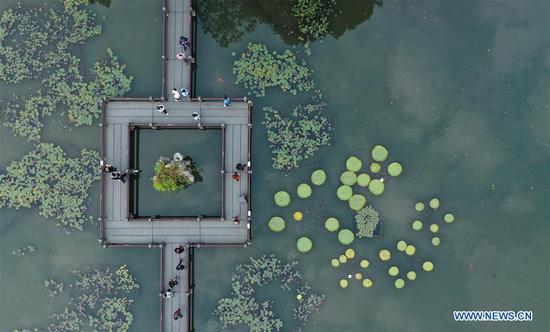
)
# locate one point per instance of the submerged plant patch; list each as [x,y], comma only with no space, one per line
[242,307]
[56,183]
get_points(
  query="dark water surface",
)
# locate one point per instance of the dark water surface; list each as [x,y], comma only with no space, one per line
[458,91]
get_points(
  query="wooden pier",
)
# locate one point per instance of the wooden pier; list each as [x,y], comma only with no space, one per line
[118,226]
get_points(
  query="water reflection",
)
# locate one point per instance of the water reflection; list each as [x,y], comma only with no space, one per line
[228,23]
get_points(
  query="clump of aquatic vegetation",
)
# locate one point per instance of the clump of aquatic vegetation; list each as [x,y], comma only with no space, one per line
[367,220]
[53,287]
[242,307]
[98,301]
[173,175]
[36,44]
[312,17]
[58,184]
[37,40]
[23,251]
[258,68]
[296,137]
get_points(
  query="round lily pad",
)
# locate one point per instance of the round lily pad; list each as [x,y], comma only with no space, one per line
[375,167]
[346,237]
[344,193]
[434,203]
[357,202]
[419,206]
[384,255]
[342,259]
[367,283]
[363,180]
[350,253]
[332,224]
[449,218]
[318,177]
[304,244]
[348,178]
[354,164]
[436,241]
[334,262]
[395,169]
[379,153]
[276,224]
[358,276]
[393,271]
[411,275]
[298,216]
[417,225]
[282,198]
[364,263]
[427,266]
[434,228]
[304,190]
[410,250]
[376,187]
[343,283]
[399,283]
[401,245]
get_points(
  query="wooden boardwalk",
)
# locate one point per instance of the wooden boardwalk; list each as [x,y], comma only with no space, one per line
[118,228]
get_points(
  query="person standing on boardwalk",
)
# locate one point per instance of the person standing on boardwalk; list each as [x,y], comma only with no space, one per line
[167,293]
[184,41]
[236,176]
[173,282]
[108,168]
[184,92]
[226,101]
[236,220]
[177,314]
[180,266]
[162,109]
[179,249]
[176,94]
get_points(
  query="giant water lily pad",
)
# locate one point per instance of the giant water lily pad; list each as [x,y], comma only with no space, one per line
[417,225]
[349,253]
[354,164]
[346,237]
[401,245]
[395,169]
[379,153]
[410,250]
[436,241]
[419,206]
[434,203]
[363,180]
[428,266]
[348,178]
[282,198]
[393,271]
[375,167]
[332,224]
[376,187]
[303,190]
[411,275]
[384,255]
[304,244]
[318,177]
[399,283]
[367,283]
[344,193]
[449,218]
[357,202]
[276,224]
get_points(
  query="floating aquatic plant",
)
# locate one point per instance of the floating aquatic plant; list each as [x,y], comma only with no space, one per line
[367,283]
[332,224]
[348,178]
[399,283]
[436,241]
[367,220]
[242,307]
[276,224]
[346,237]
[344,192]
[296,137]
[318,177]
[57,184]
[427,266]
[376,187]
[379,153]
[313,17]
[303,190]
[449,218]
[411,275]
[395,169]
[384,255]
[354,164]
[173,175]
[23,251]
[281,198]
[417,225]
[53,287]
[304,244]
[357,202]
[298,216]
[363,180]
[258,69]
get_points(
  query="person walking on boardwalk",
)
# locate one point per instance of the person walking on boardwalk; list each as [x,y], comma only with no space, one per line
[240,167]
[184,92]
[180,56]
[226,101]
[184,41]
[173,282]
[177,314]
[236,220]
[108,168]
[119,176]
[236,176]
[167,293]
[180,266]
[176,94]
[161,109]
[179,249]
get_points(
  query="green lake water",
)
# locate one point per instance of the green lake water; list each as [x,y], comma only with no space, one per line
[459,93]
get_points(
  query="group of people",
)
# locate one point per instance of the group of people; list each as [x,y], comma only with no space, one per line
[118,175]
[173,282]
[185,44]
